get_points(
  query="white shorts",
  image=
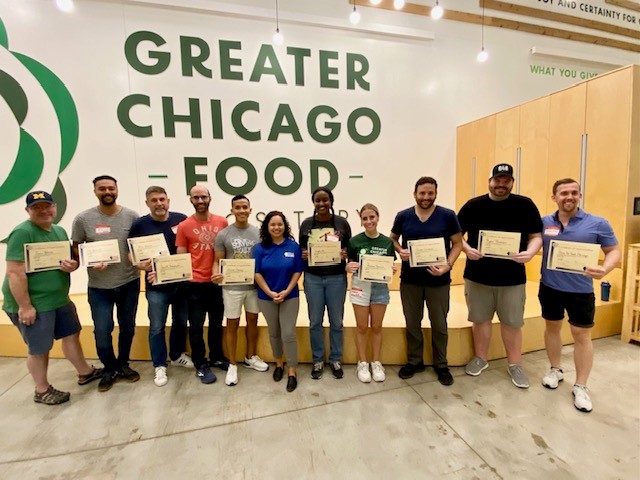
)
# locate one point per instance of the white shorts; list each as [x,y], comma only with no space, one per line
[235,299]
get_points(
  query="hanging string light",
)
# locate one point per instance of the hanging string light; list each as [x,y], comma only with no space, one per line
[437,11]
[354,18]
[483,55]
[398,4]
[277,38]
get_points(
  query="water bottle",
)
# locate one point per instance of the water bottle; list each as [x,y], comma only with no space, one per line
[605,291]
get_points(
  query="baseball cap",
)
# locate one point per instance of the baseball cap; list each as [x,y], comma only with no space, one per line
[500,170]
[39,196]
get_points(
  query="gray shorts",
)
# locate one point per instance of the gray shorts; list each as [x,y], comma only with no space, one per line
[485,300]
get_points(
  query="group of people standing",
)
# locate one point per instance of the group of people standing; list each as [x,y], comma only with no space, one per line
[38,303]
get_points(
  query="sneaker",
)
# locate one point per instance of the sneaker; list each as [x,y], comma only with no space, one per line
[378,372]
[336,369]
[205,374]
[183,360]
[476,366]
[256,363]
[409,370]
[363,372]
[51,396]
[160,378]
[518,377]
[129,374]
[318,368]
[553,377]
[221,364]
[444,375]
[96,373]
[581,398]
[107,381]
[232,376]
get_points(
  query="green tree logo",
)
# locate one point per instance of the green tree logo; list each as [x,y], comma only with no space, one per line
[38,131]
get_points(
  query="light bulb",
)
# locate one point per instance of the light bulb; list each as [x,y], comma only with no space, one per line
[398,4]
[65,5]
[482,56]
[278,38]
[437,12]
[375,2]
[354,18]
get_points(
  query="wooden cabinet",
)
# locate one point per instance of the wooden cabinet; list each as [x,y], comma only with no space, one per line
[631,315]
[474,158]
[534,151]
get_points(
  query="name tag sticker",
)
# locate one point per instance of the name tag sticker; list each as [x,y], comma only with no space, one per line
[332,237]
[289,254]
[552,231]
[103,229]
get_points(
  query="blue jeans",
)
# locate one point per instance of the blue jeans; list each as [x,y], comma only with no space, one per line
[159,301]
[329,291]
[101,301]
[205,298]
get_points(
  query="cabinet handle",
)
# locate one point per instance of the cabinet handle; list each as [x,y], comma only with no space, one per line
[473,177]
[583,168]
[518,164]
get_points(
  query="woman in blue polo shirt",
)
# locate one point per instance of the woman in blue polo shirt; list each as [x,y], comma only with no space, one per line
[278,268]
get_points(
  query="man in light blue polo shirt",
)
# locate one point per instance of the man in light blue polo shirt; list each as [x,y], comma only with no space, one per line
[573,292]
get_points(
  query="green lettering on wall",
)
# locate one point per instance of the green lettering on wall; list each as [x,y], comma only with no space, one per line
[353,131]
[171,118]
[227,61]
[216,119]
[124,115]
[267,55]
[298,58]
[284,114]
[356,75]
[315,165]
[194,61]
[270,172]
[326,70]
[162,59]
[236,120]
[190,175]
[231,162]
[333,127]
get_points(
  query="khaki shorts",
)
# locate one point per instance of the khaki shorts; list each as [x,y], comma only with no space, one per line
[485,300]
[235,299]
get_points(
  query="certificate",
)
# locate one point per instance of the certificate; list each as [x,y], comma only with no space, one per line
[42,256]
[498,244]
[572,257]
[145,248]
[103,251]
[376,268]
[172,268]
[237,271]
[324,253]
[430,251]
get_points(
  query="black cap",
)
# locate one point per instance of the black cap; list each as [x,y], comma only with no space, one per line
[39,196]
[500,170]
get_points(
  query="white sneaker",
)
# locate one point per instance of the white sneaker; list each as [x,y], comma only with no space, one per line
[160,378]
[232,375]
[363,372]
[581,398]
[553,377]
[256,363]
[183,360]
[378,371]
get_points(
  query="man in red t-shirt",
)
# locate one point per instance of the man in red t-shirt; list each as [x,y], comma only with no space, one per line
[196,235]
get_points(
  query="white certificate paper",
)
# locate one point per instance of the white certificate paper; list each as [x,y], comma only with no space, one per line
[172,268]
[427,252]
[376,268]
[147,247]
[572,257]
[237,271]
[42,256]
[497,244]
[103,251]
[324,253]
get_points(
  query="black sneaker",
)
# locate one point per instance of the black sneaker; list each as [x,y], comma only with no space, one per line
[129,374]
[107,381]
[444,375]
[409,370]
[336,369]
[221,364]
[51,396]
[318,368]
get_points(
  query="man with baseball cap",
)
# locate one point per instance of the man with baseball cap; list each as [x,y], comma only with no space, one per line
[38,302]
[495,284]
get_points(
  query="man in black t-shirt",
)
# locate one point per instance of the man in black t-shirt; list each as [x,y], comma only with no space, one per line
[496,283]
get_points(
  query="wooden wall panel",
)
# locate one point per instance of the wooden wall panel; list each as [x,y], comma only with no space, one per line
[534,145]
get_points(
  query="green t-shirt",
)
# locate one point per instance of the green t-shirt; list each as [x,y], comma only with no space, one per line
[48,290]
[381,245]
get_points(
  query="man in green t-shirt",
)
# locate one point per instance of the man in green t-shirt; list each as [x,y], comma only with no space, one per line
[38,302]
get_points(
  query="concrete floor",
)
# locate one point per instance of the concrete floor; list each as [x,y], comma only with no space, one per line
[479,428]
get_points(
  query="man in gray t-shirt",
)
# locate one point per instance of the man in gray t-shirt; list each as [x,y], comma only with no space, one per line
[110,284]
[237,241]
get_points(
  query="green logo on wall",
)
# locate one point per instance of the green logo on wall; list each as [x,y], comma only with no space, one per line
[29,161]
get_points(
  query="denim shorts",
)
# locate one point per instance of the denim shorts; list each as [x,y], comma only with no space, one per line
[367,293]
[54,324]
